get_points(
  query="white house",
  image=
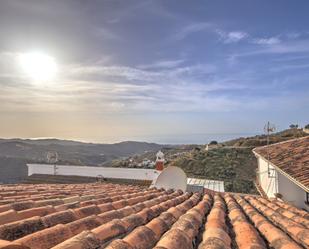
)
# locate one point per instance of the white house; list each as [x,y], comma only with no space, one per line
[283,171]
[107,172]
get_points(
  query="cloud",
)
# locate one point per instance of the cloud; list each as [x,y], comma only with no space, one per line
[164,86]
[163,64]
[139,75]
[231,37]
[285,47]
[266,41]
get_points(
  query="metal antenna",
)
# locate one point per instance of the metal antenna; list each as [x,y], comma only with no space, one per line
[52,158]
[269,128]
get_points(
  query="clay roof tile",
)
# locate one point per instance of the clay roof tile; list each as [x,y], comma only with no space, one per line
[141,237]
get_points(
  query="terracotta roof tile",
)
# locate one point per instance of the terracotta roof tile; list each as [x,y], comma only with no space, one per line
[295,230]
[86,223]
[39,211]
[16,230]
[246,234]
[216,232]
[46,238]
[121,216]
[293,209]
[10,245]
[61,217]
[85,240]
[275,237]
[292,157]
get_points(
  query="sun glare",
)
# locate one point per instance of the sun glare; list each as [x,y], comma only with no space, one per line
[38,66]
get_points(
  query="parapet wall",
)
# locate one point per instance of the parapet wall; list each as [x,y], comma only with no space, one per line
[107,172]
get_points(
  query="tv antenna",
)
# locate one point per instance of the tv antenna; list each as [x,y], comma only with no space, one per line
[52,158]
[269,128]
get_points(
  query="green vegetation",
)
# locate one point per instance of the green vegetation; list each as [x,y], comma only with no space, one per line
[260,140]
[293,126]
[232,161]
[213,142]
[235,166]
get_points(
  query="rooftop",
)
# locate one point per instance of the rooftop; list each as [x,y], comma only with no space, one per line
[291,157]
[105,215]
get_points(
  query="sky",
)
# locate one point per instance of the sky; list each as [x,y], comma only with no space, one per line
[162,71]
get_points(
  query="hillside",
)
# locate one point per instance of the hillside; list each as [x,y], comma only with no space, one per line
[15,153]
[261,140]
[235,166]
[231,161]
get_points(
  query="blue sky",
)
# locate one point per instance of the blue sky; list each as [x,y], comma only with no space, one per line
[163,71]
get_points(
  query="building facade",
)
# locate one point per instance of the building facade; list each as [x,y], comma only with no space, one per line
[283,171]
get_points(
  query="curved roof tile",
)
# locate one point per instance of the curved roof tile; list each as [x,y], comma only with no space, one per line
[86,216]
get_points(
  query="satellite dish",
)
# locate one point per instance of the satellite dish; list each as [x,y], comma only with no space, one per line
[172,178]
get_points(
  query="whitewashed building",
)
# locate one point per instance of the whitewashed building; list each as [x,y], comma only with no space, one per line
[283,171]
[90,171]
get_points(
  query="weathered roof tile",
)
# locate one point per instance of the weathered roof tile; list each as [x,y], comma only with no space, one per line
[292,157]
[121,216]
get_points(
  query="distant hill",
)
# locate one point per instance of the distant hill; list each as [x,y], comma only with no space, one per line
[15,153]
[231,161]
[261,140]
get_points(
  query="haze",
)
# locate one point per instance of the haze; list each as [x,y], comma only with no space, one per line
[163,71]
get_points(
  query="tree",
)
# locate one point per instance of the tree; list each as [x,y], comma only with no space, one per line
[307,126]
[293,126]
[213,142]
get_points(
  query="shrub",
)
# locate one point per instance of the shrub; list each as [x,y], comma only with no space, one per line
[293,126]
[213,142]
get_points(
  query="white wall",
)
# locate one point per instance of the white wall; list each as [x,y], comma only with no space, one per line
[121,173]
[268,178]
[290,192]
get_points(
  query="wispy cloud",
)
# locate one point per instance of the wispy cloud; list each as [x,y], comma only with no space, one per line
[283,48]
[231,37]
[163,64]
[165,86]
[135,74]
[266,41]
[236,36]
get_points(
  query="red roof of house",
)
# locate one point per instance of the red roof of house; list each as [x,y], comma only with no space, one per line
[100,215]
[291,157]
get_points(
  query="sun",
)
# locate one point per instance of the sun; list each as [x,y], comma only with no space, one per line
[38,66]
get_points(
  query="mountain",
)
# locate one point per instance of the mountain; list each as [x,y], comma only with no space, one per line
[231,161]
[15,153]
